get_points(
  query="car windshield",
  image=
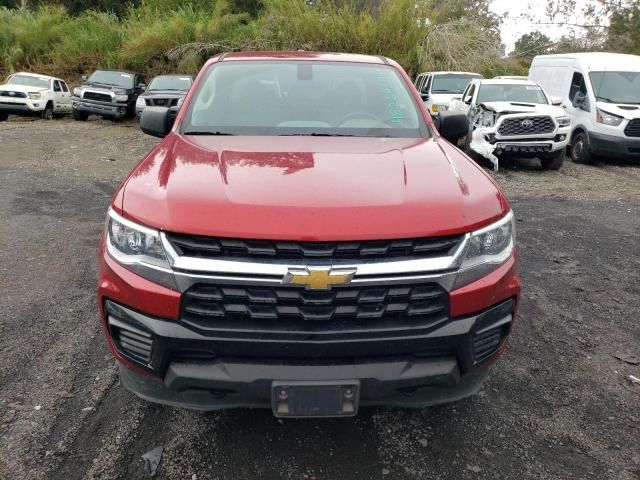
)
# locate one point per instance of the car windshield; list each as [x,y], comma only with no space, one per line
[451,82]
[512,92]
[29,81]
[107,77]
[616,87]
[171,82]
[304,98]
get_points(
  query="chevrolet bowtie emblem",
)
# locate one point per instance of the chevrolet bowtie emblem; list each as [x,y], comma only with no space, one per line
[319,278]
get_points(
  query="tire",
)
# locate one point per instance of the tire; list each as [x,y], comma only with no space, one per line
[47,113]
[580,150]
[4,117]
[553,161]
[80,116]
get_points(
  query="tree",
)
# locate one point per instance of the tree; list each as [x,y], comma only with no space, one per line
[531,44]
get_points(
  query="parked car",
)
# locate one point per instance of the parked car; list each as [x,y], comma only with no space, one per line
[514,118]
[601,94]
[437,89]
[108,93]
[164,91]
[33,94]
[303,239]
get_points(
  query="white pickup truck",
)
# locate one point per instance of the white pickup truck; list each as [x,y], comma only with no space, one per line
[513,118]
[33,94]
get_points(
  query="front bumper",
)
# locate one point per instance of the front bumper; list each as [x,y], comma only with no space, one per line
[614,146]
[115,110]
[178,365]
[25,107]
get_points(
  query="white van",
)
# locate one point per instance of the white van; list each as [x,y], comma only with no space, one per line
[437,89]
[601,94]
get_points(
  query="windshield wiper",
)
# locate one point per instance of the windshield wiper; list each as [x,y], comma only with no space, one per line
[443,91]
[208,133]
[315,134]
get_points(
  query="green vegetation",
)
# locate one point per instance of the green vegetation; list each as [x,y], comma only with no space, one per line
[167,35]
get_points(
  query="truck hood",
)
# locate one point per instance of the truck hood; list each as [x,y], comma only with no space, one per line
[22,88]
[164,94]
[518,107]
[309,188]
[628,111]
[444,98]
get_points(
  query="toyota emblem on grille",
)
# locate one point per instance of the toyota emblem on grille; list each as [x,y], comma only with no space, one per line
[12,94]
[526,123]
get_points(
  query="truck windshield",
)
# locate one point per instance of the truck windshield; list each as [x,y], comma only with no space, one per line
[511,93]
[303,98]
[616,87]
[171,82]
[108,77]
[451,82]
[29,81]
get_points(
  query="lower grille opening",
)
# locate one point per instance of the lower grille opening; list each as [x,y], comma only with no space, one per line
[487,343]
[133,342]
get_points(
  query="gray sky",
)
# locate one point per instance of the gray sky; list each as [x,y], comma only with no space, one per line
[514,26]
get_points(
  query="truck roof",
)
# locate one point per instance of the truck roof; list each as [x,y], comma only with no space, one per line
[37,75]
[302,55]
[599,60]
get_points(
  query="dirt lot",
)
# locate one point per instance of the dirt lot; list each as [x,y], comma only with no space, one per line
[558,405]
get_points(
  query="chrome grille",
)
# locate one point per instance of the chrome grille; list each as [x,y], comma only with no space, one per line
[12,94]
[526,126]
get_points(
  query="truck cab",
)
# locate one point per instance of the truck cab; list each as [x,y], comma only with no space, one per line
[437,89]
[600,92]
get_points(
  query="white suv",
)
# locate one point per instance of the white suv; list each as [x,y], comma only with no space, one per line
[33,94]
[514,118]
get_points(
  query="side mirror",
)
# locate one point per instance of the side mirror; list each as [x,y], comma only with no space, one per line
[156,121]
[453,126]
[84,77]
[141,86]
[556,100]
[424,96]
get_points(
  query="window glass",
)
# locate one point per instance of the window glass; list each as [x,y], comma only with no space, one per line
[171,82]
[616,87]
[30,81]
[516,92]
[577,85]
[427,87]
[56,86]
[468,97]
[64,87]
[108,77]
[451,82]
[304,98]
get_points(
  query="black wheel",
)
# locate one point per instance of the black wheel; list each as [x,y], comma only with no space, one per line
[3,117]
[580,151]
[80,116]
[47,113]
[552,161]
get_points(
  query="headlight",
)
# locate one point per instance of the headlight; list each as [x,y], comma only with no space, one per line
[35,96]
[138,248]
[140,102]
[563,121]
[608,118]
[77,91]
[488,248]
[122,98]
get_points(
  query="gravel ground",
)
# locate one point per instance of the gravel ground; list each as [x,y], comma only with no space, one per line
[558,405]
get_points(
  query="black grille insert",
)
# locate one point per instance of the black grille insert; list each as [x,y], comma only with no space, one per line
[161,102]
[293,309]
[133,342]
[212,247]
[526,126]
[633,129]
[99,97]
[12,94]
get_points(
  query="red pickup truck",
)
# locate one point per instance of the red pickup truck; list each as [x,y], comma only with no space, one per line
[305,239]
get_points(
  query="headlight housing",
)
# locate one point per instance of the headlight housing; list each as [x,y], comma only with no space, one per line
[35,96]
[138,248]
[77,92]
[122,98]
[563,121]
[487,249]
[607,118]
[140,102]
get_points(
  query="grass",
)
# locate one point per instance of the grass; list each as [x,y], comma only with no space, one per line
[49,40]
